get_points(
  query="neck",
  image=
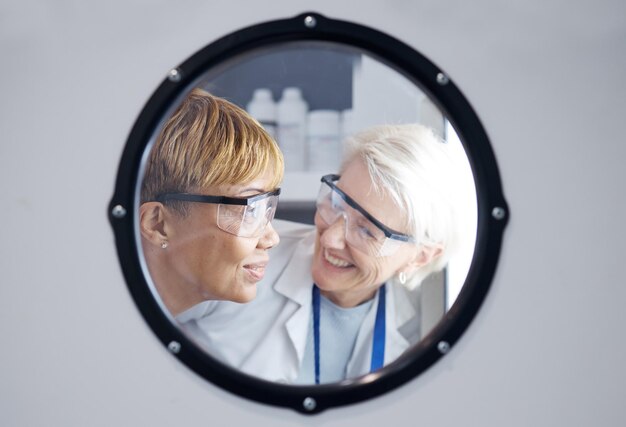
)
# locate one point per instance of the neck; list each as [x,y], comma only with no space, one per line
[349,299]
[171,292]
[174,302]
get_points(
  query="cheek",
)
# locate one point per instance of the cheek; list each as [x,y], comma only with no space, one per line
[373,270]
[369,269]
[240,249]
[195,247]
[224,252]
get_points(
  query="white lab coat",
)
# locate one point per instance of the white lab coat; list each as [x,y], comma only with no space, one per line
[266,338]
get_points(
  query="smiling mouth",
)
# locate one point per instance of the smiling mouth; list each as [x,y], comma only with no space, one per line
[336,262]
[257,271]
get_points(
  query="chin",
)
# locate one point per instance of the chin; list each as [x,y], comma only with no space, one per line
[246,295]
[323,282]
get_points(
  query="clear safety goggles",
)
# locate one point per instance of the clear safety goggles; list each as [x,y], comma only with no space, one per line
[243,217]
[363,231]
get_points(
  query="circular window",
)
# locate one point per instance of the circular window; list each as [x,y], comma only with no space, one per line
[334,79]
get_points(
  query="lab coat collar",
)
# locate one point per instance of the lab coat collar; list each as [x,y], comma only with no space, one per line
[196,312]
[402,313]
[295,283]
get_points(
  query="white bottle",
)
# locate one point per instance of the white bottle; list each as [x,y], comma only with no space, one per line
[291,115]
[323,141]
[346,124]
[263,108]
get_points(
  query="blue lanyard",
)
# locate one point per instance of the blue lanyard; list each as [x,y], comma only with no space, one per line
[378,342]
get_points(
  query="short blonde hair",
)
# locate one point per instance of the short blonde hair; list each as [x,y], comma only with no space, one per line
[209,141]
[414,167]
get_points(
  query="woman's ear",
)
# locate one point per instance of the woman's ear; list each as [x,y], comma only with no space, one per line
[152,222]
[426,254]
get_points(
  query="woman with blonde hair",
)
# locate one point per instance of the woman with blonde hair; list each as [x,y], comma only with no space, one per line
[208,197]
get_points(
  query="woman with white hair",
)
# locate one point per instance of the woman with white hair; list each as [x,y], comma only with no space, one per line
[333,304]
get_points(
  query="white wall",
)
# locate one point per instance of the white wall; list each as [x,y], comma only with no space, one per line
[546,79]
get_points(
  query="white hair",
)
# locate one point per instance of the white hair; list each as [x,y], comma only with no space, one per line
[413,166]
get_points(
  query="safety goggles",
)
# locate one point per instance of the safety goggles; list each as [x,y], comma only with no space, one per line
[243,217]
[363,231]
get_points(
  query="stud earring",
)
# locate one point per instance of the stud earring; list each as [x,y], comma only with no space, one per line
[164,244]
[402,277]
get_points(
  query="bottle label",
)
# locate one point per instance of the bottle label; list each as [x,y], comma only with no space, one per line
[324,153]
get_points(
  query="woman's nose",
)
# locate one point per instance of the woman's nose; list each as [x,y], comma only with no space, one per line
[334,236]
[269,238]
